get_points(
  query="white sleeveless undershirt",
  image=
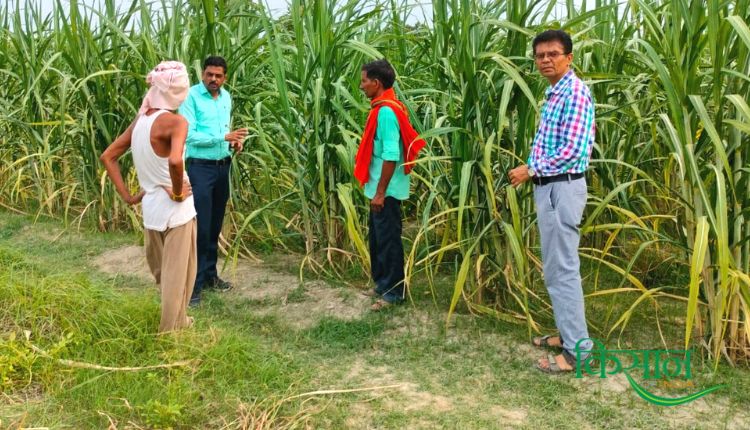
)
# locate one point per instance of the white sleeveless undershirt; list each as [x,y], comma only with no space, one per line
[159,211]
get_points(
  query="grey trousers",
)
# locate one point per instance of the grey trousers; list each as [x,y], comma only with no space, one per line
[559,208]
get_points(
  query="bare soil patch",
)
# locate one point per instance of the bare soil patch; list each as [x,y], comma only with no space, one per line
[125,261]
[258,282]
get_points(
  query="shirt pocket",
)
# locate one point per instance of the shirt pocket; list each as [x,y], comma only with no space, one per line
[553,112]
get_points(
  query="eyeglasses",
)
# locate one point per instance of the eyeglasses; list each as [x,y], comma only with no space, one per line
[550,55]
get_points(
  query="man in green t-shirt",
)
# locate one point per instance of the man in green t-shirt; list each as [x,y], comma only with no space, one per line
[380,167]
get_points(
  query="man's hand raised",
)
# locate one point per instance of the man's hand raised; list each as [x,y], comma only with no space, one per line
[237,135]
[236,145]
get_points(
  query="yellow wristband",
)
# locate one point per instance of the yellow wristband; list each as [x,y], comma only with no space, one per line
[177,197]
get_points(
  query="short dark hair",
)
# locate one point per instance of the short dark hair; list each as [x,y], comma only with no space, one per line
[382,71]
[216,62]
[554,36]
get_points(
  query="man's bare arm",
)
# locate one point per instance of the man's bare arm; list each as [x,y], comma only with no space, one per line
[110,156]
[386,173]
[179,130]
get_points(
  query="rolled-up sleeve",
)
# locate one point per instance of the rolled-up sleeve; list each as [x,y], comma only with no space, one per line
[389,133]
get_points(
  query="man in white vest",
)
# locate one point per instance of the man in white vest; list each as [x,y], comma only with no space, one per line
[157,142]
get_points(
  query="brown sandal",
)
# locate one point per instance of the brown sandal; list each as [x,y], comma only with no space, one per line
[380,305]
[370,293]
[554,368]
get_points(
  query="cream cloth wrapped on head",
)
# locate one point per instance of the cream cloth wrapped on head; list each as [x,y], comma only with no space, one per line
[168,87]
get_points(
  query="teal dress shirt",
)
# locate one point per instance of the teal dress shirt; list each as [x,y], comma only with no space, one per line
[208,123]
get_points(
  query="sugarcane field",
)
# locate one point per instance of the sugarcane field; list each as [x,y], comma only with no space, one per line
[374,214]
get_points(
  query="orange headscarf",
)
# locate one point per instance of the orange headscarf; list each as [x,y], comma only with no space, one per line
[412,145]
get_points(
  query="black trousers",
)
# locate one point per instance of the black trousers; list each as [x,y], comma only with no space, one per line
[210,184]
[387,251]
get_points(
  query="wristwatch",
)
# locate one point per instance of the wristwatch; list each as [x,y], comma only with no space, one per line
[532,172]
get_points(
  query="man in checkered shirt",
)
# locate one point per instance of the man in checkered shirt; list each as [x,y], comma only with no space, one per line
[556,165]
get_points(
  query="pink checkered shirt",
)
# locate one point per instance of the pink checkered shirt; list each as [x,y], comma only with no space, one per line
[566,130]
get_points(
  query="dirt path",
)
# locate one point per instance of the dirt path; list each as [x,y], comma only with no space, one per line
[310,300]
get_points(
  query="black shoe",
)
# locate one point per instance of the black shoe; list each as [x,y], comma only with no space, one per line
[219,285]
[194,302]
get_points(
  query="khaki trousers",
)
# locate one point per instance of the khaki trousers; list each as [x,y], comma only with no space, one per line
[172,258]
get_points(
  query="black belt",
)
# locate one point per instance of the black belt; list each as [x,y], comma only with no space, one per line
[544,180]
[222,162]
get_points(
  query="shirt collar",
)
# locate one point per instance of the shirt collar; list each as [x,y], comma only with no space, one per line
[204,91]
[562,84]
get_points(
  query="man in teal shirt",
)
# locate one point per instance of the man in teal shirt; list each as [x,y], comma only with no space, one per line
[388,147]
[386,186]
[209,149]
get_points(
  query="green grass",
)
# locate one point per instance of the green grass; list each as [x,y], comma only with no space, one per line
[336,336]
[476,374]
[73,315]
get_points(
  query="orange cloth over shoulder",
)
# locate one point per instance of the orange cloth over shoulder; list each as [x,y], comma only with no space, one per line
[409,136]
